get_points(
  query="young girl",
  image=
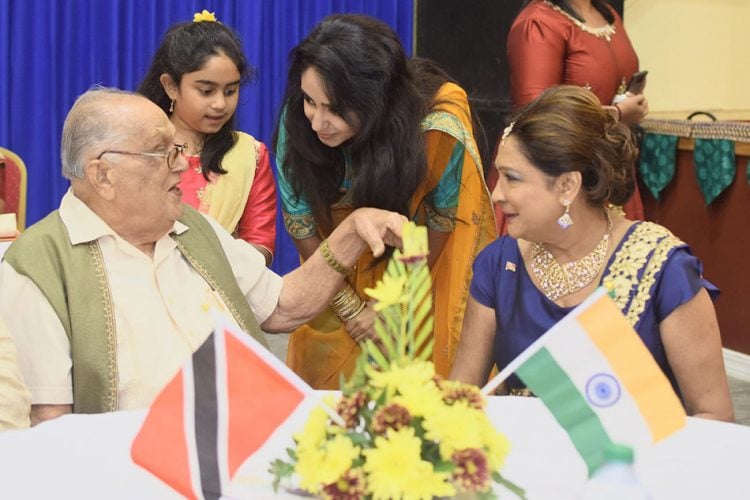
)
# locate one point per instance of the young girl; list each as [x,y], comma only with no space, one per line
[360,127]
[195,78]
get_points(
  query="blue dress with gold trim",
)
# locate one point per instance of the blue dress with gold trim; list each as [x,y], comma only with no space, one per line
[652,273]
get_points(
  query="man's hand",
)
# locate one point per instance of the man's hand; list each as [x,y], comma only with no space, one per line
[377,228]
[308,289]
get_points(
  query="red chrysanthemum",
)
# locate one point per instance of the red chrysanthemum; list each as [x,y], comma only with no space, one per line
[471,472]
[392,416]
[351,486]
[348,408]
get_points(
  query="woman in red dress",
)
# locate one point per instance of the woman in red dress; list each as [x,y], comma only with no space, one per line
[575,42]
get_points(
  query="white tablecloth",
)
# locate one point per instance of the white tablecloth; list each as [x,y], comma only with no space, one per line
[88,456]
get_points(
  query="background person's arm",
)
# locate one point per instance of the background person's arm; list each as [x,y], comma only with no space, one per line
[474,356]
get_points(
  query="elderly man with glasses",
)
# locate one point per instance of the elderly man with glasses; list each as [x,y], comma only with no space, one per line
[108,295]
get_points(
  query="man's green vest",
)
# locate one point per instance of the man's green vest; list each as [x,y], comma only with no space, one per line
[74,281]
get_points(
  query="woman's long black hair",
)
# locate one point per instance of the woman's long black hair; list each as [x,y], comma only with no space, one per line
[364,70]
[429,77]
[185,48]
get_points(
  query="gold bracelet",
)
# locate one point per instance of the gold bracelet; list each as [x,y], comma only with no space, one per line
[347,304]
[337,266]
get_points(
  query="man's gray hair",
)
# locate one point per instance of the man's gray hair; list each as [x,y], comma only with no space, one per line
[93,124]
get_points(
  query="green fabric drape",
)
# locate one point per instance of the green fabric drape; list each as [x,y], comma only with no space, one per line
[714,166]
[657,162]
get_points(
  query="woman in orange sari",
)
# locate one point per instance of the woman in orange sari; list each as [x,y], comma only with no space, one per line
[362,126]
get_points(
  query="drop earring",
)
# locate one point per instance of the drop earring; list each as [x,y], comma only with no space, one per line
[565,221]
[171,106]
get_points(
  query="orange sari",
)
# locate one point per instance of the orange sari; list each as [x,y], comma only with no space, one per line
[322,350]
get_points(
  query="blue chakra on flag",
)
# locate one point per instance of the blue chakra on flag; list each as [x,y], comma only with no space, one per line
[603,390]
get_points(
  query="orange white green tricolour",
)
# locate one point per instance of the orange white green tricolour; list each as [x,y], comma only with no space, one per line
[600,381]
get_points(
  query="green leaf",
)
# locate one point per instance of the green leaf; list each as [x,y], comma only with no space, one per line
[422,310]
[386,339]
[486,495]
[441,466]
[425,333]
[376,355]
[359,439]
[426,354]
[280,470]
[509,485]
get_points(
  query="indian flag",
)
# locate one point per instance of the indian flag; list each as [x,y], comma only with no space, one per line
[599,381]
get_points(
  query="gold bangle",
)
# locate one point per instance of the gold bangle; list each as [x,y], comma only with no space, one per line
[347,304]
[325,252]
[352,313]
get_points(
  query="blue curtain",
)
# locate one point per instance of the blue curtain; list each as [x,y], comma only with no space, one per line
[51,51]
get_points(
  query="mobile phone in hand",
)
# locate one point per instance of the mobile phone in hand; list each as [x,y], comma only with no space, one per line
[637,82]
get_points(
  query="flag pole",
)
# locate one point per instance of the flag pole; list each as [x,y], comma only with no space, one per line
[330,411]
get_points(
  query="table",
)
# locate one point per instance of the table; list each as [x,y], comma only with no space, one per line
[87,456]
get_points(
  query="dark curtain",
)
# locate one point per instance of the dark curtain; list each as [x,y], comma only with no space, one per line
[53,50]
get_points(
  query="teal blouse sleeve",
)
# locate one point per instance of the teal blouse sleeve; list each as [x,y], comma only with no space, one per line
[441,203]
[298,217]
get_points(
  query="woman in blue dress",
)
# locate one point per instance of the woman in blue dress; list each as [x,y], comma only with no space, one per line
[562,162]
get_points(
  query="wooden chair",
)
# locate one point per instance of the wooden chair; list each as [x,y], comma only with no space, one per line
[13,185]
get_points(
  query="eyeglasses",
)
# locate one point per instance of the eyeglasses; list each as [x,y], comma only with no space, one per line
[170,156]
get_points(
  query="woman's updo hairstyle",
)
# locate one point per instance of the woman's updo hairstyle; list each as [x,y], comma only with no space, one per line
[566,129]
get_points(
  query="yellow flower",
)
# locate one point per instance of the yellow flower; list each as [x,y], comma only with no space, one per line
[456,428]
[199,17]
[420,398]
[318,467]
[396,470]
[495,443]
[388,291]
[414,239]
[399,378]
[340,452]
[308,468]
[314,432]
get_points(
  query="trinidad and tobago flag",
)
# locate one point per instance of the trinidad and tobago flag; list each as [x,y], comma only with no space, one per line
[219,409]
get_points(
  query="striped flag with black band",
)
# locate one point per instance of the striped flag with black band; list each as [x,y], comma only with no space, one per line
[218,410]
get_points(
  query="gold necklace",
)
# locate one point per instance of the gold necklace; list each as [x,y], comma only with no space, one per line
[606,32]
[558,280]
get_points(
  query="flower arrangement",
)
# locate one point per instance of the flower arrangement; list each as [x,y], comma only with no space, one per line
[399,430]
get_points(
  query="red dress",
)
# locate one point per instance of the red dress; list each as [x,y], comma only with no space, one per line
[547,48]
[257,223]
